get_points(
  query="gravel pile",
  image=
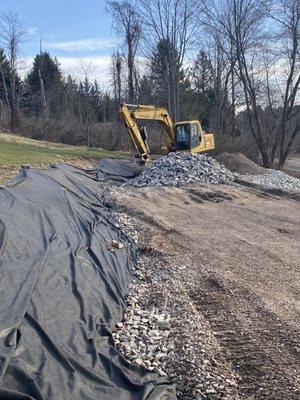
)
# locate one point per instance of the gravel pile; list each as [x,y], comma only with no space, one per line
[143,335]
[274,180]
[182,168]
[177,169]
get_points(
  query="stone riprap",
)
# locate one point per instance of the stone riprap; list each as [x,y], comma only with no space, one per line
[177,169]
[274,180]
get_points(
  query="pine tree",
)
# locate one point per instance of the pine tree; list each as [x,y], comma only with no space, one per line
[96,100]
[165,74]
[146,95]
[202,78]
[44,85]
[4,80]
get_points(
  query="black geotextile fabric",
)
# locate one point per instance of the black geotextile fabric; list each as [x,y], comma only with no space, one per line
[62,290]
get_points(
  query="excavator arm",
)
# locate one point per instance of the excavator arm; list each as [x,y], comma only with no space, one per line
[131,113]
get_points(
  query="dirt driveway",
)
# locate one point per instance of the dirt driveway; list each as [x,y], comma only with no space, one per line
[245,244]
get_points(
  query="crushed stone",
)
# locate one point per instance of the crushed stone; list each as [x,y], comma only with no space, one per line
[178,169]
[183,168]
[274,180]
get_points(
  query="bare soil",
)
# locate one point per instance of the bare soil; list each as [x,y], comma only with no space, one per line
[238,162]
[242,248]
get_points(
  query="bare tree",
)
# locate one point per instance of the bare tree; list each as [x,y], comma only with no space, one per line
[86,67]
[224,82]
[249,46]
[11,34]
[177,23]
[128,26]
[116,72]
[45,108]
[286,14]
[86,111]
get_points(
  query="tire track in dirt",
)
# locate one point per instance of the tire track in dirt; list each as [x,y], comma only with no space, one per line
[261,349]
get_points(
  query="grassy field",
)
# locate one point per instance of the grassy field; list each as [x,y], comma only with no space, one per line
[16,151]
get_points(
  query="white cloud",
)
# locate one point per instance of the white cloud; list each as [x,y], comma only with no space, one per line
[32,31]
[96,67]
[81,45]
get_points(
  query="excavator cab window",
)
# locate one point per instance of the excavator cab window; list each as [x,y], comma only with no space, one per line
[182,137]
[187,136]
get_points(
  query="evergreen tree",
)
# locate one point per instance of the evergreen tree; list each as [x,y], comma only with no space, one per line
[71,97]
[44,85]
[202,78]
[97,101]
[146,95]
[165,75]
[5,74]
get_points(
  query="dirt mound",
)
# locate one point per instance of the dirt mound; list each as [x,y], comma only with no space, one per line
[238,162]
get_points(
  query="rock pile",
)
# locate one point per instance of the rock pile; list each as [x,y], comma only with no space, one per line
[176,169]
[127,226]
[274,180]
[143,336]
[182,168]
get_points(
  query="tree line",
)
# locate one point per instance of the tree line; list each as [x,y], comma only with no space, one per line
[45,104]
[234,64]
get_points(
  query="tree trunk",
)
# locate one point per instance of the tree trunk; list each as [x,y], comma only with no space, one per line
[13,111]
[168,86]
[284,153]
[130,72]
[5,87]
[119,82]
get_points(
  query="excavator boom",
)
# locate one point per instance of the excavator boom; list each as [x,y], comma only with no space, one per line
[130,113]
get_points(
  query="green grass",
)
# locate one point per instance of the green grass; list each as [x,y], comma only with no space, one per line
[17,150]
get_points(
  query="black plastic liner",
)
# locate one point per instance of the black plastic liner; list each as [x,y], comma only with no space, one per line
[62,290]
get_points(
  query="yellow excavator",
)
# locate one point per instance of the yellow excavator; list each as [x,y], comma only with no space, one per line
[181,136]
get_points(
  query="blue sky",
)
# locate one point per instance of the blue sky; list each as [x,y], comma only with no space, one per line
[78,32]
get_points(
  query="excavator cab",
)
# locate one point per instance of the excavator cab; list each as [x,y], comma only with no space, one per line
[188,135]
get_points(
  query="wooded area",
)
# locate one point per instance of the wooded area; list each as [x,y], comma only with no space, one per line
[234,64]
